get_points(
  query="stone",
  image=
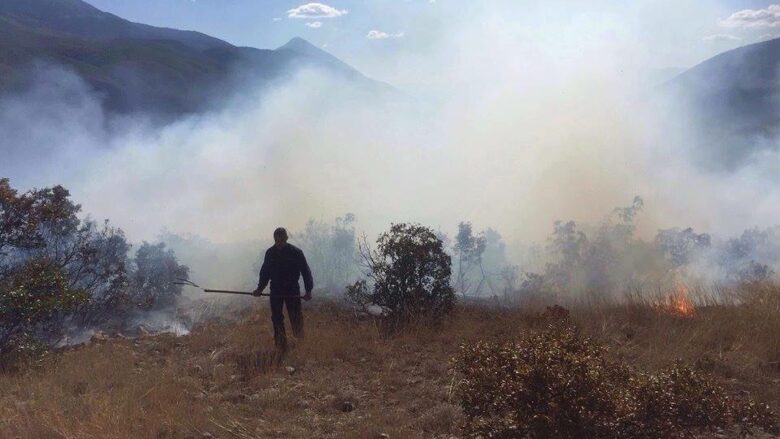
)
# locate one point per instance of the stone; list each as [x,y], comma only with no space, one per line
[347,406]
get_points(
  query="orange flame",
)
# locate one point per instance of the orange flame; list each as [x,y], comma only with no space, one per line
[678,303]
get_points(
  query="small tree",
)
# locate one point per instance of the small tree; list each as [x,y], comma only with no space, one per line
[152,280]
[31,295]
[408,275]
[469,249]
[331,250]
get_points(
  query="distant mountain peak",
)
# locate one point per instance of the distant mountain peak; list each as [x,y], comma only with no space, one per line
[302,46]
[140,68]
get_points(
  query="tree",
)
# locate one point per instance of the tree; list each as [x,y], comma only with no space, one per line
[468,255]
[155,269]
[680,247]
[331,250]
[408,275]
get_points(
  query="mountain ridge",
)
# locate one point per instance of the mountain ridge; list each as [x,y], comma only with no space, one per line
[733,101]
[138,68]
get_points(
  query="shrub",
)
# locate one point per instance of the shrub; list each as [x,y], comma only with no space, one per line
[152,280]
[558,383]
[29,297]
[408,275]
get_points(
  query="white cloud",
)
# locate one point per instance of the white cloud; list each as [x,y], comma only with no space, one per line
[316,10]
[721,38]
[379,35]
[768,17]
[314,24]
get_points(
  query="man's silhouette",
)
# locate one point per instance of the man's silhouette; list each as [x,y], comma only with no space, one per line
[283,266]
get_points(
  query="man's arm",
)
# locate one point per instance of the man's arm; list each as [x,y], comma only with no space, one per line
[265,273]
[308,281]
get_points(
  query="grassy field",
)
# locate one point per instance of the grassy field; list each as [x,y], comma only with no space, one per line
[346,380]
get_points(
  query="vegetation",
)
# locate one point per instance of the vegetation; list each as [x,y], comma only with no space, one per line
[408,276]
[152,280]
[559,383]
[59,272]
[29,297]
[349,381]
[331,250]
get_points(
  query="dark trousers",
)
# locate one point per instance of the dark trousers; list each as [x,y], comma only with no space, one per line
[277,317]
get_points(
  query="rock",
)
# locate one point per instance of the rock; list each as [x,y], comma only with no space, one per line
[290,370]
[384,436]
[99,336]
[207,435]
[235,397]
[347,406]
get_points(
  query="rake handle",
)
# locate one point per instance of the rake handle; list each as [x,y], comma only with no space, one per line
[246,293]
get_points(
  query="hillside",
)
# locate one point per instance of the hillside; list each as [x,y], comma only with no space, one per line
[346,380]
[141,68]
[732,99]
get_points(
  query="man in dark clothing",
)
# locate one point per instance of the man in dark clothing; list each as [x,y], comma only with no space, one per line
[283,266]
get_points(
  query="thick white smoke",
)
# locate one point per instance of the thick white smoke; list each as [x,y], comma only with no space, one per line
[511,120]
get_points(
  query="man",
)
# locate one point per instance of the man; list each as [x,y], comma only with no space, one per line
[283,266]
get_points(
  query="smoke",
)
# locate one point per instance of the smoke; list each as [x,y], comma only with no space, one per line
[519,119]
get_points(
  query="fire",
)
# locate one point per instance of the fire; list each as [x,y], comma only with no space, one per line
[678,303]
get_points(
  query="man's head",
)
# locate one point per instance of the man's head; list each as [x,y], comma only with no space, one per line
[280,237]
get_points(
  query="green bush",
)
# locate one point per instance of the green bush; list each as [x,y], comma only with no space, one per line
[559,383]
[29,297]
[408,276]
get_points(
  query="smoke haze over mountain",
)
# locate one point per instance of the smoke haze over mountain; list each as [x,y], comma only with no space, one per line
[515,127]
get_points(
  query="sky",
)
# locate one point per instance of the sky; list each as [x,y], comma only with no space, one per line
[376,35]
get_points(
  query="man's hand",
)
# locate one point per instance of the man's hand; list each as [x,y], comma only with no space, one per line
[307,296]
[258,292]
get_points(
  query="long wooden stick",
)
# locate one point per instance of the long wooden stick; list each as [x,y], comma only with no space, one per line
[189,283]
[247,293]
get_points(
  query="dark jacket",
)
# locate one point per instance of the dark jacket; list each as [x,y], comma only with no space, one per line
[283,267]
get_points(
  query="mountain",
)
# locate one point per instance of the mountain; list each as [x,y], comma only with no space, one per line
[733,101]
[141,68]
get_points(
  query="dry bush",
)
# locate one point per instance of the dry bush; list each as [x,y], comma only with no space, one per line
[559,383]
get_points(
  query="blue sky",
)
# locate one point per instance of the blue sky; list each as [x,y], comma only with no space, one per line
[666,33]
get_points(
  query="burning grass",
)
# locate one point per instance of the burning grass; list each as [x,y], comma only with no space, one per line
[345,380]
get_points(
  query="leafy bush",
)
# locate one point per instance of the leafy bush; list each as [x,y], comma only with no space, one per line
[558,383]
[408,275]
[29,297]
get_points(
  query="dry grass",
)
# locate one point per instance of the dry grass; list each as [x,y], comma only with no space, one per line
[224,379]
